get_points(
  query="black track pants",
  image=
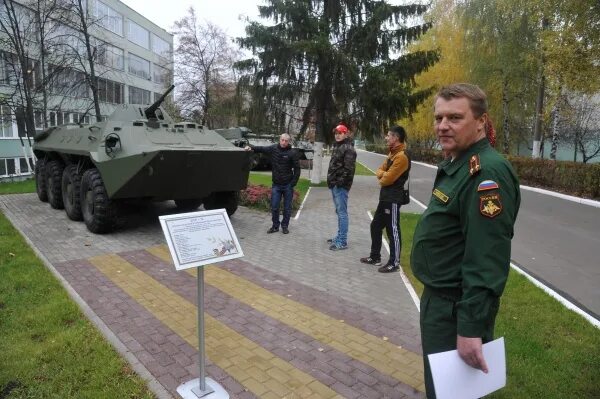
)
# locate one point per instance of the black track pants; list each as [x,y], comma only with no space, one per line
[386,216]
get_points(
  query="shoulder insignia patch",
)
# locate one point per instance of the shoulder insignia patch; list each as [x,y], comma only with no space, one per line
[440,195]
[487,185]
[474,165]
[490,205]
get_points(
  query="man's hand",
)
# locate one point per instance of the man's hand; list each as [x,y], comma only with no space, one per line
[248,148]
[469,350]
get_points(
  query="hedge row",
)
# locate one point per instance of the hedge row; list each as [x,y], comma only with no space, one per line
[574,178]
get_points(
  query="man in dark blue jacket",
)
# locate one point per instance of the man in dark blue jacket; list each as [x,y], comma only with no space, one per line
[286,172]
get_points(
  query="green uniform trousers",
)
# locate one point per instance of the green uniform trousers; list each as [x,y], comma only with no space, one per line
[438,327]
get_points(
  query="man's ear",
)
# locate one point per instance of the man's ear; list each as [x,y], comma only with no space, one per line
[481,121]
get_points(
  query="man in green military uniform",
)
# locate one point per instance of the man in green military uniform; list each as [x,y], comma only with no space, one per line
[461,245]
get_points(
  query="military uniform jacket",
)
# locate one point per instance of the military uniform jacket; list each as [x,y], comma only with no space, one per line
[462,241]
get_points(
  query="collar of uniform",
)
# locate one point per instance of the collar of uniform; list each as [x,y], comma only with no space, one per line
[451,167]
[397,149]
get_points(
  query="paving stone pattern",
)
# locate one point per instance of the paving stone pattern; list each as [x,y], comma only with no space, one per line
[291,319]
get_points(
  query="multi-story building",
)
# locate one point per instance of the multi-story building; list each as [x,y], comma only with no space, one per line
[133,62]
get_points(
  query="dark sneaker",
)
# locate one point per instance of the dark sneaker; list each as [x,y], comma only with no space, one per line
[388,268]
[371,261]
[337,247]
[285,230]
[330,241]
[273,230]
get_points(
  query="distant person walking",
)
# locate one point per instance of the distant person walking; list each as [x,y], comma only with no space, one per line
[392,176]
[339,180]
[461,245]
[286,172]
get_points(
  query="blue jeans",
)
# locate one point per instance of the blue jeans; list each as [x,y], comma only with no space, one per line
[277,191]
[340,200]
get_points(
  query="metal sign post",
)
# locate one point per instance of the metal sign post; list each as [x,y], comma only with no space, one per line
[197,239]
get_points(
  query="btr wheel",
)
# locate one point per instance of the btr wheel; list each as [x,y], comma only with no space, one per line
[223,199]
[40,180]
[54,170]
[98,211]
[71,192]
[188,205]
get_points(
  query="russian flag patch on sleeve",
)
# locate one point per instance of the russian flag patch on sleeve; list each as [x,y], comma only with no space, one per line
[487,185]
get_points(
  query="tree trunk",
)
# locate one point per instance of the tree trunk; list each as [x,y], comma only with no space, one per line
[555,125]
[317,163]
[539,106]
[539,110]
[91,53]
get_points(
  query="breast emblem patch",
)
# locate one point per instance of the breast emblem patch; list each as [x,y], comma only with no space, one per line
[490,205]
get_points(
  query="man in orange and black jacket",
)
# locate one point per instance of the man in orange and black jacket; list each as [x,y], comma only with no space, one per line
[392,176]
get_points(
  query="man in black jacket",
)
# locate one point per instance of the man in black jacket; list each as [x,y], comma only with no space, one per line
[339,180]
[286,172]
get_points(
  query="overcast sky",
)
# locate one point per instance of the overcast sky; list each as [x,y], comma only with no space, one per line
[223,13]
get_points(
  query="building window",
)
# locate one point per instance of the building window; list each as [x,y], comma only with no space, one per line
[138,96]
[4,68]
[39,120]
[161,75]
[160,47]
[25,168]
[110,91]
[68,82]
[139,66]
[14,167]
[6,122]
[138,35]
[111,56]
[109,18]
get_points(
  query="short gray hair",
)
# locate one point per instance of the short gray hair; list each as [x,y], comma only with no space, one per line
[285,136]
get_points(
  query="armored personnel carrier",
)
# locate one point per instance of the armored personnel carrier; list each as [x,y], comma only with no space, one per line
[136,154]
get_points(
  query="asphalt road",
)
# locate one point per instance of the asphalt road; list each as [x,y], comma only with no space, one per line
[556,240]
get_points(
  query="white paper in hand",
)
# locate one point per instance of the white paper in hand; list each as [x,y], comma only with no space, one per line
[454,379]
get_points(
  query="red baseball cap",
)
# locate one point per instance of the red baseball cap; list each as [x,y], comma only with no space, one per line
[341,129]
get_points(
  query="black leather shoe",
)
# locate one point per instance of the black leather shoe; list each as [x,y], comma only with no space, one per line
[273,230]
[285,230]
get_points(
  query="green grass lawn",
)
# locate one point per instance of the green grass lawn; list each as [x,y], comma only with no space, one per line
[362,170]
[48,349]
[17,187]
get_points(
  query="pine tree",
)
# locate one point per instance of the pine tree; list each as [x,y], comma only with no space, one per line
[334,60]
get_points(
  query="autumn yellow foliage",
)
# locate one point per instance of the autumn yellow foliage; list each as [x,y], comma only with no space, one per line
[447,36]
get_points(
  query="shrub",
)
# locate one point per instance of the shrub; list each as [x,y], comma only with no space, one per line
[259,197]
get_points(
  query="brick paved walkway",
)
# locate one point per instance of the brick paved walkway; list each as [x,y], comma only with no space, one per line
[289,320]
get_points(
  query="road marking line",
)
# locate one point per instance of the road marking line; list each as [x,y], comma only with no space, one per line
[302,204]
[405,280]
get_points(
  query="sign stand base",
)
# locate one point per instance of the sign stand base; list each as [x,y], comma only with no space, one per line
[191,390]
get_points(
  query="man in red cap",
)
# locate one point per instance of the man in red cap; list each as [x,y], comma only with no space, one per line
[339,180]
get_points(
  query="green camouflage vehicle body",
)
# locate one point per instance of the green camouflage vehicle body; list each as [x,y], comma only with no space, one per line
[138,153]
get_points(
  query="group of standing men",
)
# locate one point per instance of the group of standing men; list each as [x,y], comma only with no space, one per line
[461,245]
